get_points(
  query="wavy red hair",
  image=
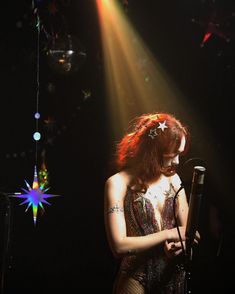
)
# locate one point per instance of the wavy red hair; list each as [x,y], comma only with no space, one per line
[142,153]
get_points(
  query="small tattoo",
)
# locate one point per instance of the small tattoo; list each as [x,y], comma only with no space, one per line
[115,208]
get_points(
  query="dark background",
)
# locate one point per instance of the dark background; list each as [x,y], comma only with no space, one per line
[67,250]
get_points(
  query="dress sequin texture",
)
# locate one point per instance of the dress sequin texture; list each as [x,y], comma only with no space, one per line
[152,269]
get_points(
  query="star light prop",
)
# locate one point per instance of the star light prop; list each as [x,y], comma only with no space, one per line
[86,94]
[213,28]
[50,124]
[215,25]
[35,196]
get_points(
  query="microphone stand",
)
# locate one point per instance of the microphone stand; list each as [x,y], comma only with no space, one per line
[186,264]
[192,220]
[187,253]
[188,257]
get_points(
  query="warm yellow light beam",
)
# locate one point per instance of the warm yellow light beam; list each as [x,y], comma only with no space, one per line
[135,81]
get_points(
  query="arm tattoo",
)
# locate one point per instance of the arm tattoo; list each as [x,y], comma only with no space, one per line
[115,208]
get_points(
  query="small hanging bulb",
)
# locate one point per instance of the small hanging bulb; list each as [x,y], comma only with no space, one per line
[37,136]
[37,115]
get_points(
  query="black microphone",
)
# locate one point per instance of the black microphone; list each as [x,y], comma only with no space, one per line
[194,206]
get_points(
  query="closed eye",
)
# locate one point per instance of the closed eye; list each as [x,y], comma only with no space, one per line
[172,155]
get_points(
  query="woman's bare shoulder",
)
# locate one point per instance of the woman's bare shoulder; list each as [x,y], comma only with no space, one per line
[120,179]
[116,186]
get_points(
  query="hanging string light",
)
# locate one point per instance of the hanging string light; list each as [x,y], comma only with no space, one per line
[35,196]
[37,135]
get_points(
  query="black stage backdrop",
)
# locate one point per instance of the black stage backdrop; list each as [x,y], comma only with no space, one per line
[67,250]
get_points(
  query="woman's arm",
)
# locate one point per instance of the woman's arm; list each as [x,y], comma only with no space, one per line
[175,248]
[120,243]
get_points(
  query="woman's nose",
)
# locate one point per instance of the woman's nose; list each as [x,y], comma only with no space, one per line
[176,159]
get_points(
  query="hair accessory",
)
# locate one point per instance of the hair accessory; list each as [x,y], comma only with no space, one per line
[153,133]
[139,127]
[162,126]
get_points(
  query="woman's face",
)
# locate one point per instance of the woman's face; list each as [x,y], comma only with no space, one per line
[171,160]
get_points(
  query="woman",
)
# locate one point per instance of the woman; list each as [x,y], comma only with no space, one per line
[139,207]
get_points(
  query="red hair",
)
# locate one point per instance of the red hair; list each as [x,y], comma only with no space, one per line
[143,147]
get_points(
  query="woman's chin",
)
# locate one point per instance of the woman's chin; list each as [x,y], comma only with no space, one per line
[169,171]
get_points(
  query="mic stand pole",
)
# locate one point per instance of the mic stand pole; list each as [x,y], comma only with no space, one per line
[192,221]
[187,254]
[188,257]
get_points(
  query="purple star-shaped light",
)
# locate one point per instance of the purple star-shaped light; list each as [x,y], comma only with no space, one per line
[35,196]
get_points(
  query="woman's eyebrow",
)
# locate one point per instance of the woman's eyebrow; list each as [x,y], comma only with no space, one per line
[169,154]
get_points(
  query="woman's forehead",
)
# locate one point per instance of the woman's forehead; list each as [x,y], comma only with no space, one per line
[180,149]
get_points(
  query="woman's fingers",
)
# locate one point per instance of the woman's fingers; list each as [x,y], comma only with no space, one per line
[177,252]
[173,249]
[178,245]
[197,236]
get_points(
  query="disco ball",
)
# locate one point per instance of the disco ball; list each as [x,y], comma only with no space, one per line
[65,54]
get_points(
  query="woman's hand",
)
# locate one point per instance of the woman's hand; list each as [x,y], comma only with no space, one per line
[173,249]
[174,235]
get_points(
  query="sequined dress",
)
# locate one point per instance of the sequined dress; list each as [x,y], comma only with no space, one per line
[151,272]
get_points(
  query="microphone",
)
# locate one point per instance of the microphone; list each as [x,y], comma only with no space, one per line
[194,206]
